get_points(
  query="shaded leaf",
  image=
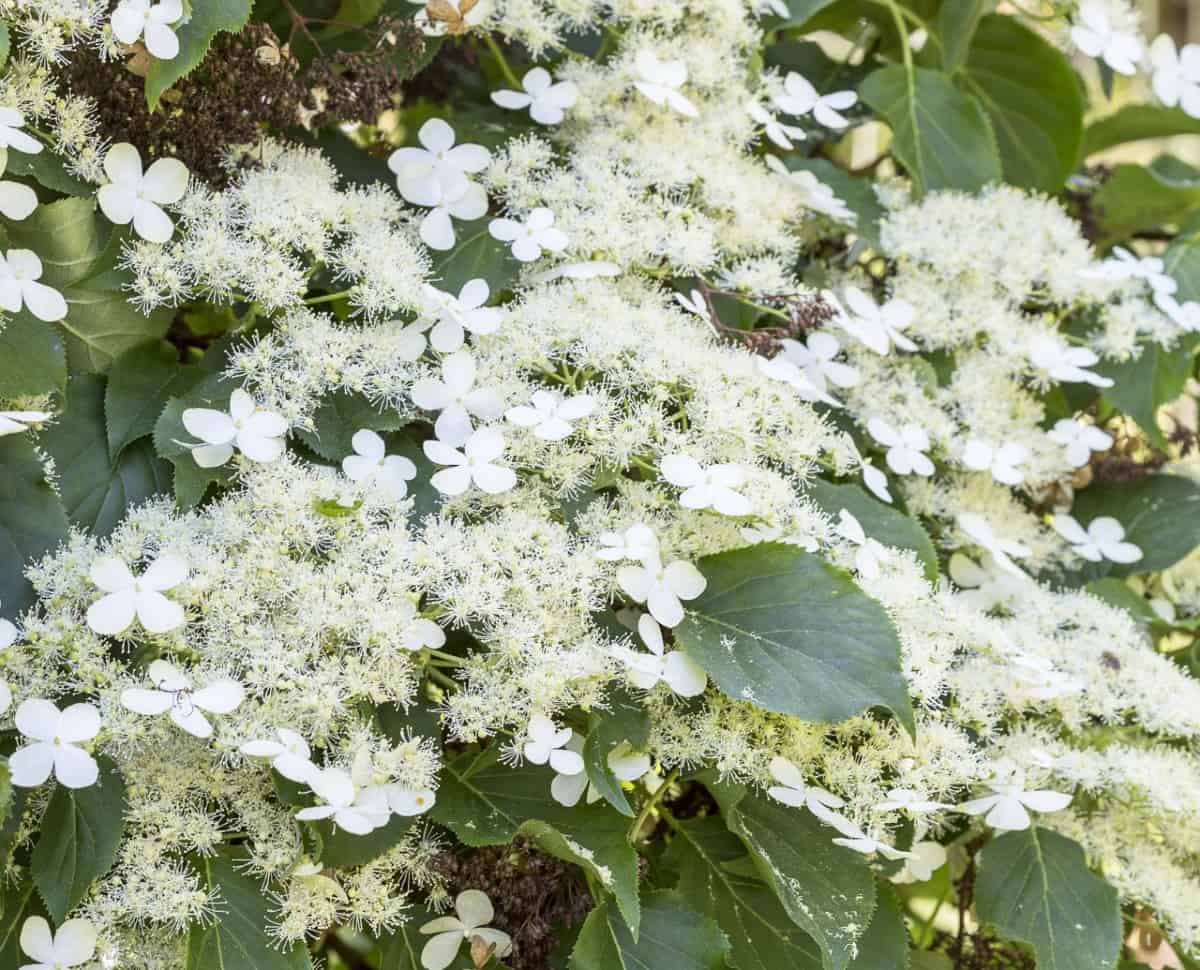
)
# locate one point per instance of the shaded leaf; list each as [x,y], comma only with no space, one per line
[1035,886]
[781,628]
[32,357]
[1137,197]
[78,840]
[32,520]
[140,382]
[673,937]
[476,256]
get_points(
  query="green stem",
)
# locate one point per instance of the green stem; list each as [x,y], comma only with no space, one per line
[328,297]
[651,802]
[497,53]
[448,683]
[905,50]
[448,659]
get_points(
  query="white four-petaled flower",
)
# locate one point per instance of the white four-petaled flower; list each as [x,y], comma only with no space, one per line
[927,858]
[132,596]
[435,176]
[1001,460]
[1079,439]
[984,584]
[473,912]
[20,271]
[475,463]
[256,433]
[371,463]
[134,19]
[289,753]
[550,415]
[548,743]
[877,327]
[816,358]
[707,487]
[357,809]
[133,196]
[799,97]
[55,736]
[452,317]
[905,446]
[672,667]
[1095,35]
[457,399]
[529,238]
[72,946]
[547,102]
[1103,539]
[1052,354]
[662,588]
[173,694]
[1008,803]
[660,81]
[812,192]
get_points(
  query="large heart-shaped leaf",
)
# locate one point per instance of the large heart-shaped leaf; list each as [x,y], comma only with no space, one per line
[782,629]
[32,520]
[673,937]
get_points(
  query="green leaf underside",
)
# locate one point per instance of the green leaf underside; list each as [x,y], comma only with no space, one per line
[781,628]
[940,135]
[80,835]
[238,939]
[826,889]
[1135,122]
[485,802]
[1035,886]
[672,937]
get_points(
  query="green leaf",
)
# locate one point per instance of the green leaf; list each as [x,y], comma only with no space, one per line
[956,24]
[238,939]
[47,169]
[1135,122]
[827,890]
[339,417]
[761,934]
[10,828]
[801,12]
[1145,383]
[350,14]
[485,802]
[78,840]
[209,18]
[65,235]
[8,801]
[1181,261]
[96,491]
[32,520]
[102,324]
[18,902]
[1033,99]
[1161,516]
[885,944]
[140,382]
[940,135]
[343,850]
[627,721]
[1035,886]
[882,522]
[477,256]
[1117,593]
[5,44]
[1136,197]
[779,627]
[673,937]
[32,358]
